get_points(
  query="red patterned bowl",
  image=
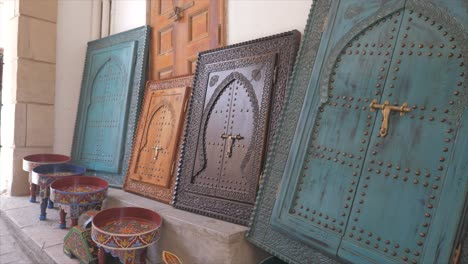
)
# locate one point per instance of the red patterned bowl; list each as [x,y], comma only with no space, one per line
[32,161]
[76,195]
[78,190]
[126,228]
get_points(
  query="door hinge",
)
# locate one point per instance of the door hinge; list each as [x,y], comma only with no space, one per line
[324,24]
[456,255]
[172,169]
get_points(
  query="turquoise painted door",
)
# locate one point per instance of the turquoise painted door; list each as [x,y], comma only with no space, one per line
[104,119]
[375,182]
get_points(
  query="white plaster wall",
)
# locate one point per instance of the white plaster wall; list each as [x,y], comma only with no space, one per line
[251,19]
[78,22]
[127,14]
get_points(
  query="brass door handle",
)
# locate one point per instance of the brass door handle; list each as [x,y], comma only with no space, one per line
[176,14]
[386,110]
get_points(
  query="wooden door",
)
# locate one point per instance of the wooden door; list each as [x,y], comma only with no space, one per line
[373,175]
[236,96]
[182,29]
[156,144]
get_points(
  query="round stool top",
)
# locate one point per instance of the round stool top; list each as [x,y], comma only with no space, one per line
[126,228]
[32,161]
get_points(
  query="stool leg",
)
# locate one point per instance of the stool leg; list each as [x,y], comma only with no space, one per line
[62,223]
[42,216]
[101,256]
[32,192]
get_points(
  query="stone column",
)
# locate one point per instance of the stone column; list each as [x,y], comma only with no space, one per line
[28,88]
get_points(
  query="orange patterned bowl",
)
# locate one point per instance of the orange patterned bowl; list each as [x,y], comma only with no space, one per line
[126,228]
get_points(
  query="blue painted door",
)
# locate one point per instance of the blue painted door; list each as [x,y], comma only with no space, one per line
[105,108]
[372,188]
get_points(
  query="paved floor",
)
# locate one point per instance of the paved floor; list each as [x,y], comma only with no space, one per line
[10,249]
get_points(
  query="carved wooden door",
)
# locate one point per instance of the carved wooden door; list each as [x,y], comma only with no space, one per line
[182,29]
[236,90]
[374,174]
[156,144]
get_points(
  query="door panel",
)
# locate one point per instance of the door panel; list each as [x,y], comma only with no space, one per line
[157,141]
[163,39]
[183,28]
[110,99]
[405,171]
[103,116]
[236,94]
[320,195]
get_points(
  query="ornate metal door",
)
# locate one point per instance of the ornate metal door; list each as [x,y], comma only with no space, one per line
[374,171]
[152,165]
[109,103]
[236,92]
[104,126]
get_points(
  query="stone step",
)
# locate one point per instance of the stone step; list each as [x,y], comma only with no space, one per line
[194,238]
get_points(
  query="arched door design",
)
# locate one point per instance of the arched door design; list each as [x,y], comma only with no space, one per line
[110,98]
[374,172]
[152,166]
[105,110]
[238,92]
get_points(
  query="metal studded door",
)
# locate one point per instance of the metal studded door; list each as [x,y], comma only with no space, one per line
[110,99]
[103,117]
[373,174]
[152,166]
[237,92]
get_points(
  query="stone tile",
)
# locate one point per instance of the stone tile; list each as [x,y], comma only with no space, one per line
[47,233]
[7,244]
[40,125]
[56,253]
[44,9]
[9,202]
[36,82]
[14,258]
[112,202]
[217,229]
[135,200]
[22,217]
[36,39]
[10,249]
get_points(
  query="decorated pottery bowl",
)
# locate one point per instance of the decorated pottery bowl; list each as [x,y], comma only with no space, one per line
[126,228]
[32,161]
[55,171]
[78,190]
[76,195]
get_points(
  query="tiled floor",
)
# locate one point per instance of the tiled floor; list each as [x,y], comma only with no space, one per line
[10,249]
[187,234]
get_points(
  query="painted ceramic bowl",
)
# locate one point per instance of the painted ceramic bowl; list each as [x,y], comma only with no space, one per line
[32,161]
[79,190]
[43,173]
[126,228]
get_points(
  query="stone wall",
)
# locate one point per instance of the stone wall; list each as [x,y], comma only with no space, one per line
[28,88]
